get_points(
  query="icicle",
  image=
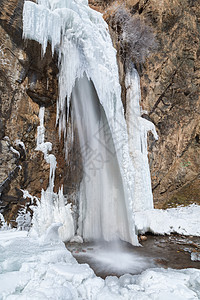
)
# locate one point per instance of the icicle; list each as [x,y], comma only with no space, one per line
[51,208]
[3,223]
[45,147]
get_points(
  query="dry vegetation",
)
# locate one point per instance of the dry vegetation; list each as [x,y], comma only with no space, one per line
[136,39]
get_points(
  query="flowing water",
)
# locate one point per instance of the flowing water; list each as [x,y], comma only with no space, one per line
[102,211]
[116,259]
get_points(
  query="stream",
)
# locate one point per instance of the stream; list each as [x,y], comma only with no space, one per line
[118,258]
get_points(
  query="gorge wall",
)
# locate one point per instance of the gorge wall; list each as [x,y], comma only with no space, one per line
[170,80]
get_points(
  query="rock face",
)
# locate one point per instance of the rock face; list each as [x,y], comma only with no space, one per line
[170,93]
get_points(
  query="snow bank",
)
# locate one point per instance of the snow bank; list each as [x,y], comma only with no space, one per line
[181,220]
[30,269]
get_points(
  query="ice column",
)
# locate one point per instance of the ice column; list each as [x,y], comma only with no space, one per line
[138,128]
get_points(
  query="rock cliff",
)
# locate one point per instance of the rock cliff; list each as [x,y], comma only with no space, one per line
[170,80]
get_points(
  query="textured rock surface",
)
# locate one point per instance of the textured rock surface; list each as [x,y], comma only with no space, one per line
[170,82]
[170,93]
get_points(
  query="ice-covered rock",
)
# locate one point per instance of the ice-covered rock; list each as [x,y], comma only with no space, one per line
[195,256]
[52,235]
[182,220]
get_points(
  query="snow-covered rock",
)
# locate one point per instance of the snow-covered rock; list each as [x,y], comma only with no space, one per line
[181,220]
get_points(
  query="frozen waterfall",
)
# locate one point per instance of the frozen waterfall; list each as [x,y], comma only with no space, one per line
[102,207]
[88,78]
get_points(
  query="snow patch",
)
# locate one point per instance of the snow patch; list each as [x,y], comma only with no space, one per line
[195,256]
[3,223]
[31,270]
[181,220]
[20,143]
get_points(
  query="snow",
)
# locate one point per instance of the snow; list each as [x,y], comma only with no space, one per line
[26,194]
[20,143]
[195,256]
[32,269]
[4,225]
[15,151]
[76,239]
[181,220]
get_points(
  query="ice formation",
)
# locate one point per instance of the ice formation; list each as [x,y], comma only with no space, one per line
[23,219]
[181,220]
[81,38]
[51,235]
[88,78]
[32,270]
[15,151]
[52,207]
[4,225]
[138,128]
[20,143]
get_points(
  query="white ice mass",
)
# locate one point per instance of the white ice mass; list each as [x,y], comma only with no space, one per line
[138,129]
[32,269]
[88,59]
[181,220]
[52,207]
[115,182]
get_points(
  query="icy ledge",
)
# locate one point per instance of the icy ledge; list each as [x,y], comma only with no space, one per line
[181,220]
[30,269]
